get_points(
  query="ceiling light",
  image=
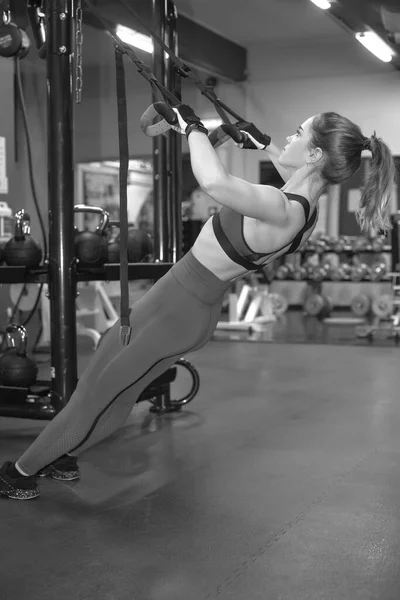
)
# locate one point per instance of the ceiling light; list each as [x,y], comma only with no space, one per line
[376,45]
[324,4]
[134,38]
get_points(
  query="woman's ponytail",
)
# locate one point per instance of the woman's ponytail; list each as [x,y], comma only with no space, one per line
[373,213]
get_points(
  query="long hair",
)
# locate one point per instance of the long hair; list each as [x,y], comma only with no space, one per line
[342,143]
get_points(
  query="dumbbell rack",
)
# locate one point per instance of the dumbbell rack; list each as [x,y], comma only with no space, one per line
[385,328]
[348,251]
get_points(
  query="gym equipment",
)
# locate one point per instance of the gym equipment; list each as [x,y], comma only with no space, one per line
[16,369]
[360,272]
[250,310]
[91,246]
[377,244]
[382,306]
[360,244]
[300,273]
[361,305]
[158,392]
[22,250]
[378,271]
[112,239]
[318,274]
[6,222]
[317,305]
[280,304]
[1,254]
[140,246]
[24,295]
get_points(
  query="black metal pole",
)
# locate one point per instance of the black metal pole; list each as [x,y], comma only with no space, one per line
[174,146]
[160,176]
[62,283]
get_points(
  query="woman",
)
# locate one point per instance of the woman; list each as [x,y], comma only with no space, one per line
[179,314]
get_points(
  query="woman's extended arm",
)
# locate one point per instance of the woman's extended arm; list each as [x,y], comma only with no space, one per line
[257,201]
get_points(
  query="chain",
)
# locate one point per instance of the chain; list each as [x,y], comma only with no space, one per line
[78,49]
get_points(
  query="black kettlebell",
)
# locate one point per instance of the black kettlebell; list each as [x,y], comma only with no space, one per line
[91,246]
[22,250]
[16,369]
[113,243]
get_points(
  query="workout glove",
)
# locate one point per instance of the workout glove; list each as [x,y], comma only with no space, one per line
[255,140]
[187,120]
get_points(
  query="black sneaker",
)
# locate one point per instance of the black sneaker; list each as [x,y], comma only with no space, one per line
[64,468]
[17,487]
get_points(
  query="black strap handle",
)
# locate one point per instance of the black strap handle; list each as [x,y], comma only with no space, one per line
[126,330]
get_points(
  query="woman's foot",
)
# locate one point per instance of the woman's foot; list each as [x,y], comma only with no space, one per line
[64,468]
[16,486]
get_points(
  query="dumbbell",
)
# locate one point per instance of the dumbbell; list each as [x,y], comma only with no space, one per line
[300,273]
[317,305]
[382,306]
[360,244]
[378,271]
[280,304]
[360,272]
[318,274]
[361,305]
[378,243]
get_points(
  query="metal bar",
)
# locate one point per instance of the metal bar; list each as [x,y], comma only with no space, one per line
[62,285]
[160,182]
[174,145]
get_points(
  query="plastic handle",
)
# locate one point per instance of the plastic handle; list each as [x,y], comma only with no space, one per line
[157,119]
[12,329]
[223,133]
[105,216]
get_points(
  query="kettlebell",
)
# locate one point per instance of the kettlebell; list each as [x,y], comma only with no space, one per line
[113,243]
[22,250]
[16,369]
[91,246]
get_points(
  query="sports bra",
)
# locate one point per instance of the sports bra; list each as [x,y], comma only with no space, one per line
[228,229]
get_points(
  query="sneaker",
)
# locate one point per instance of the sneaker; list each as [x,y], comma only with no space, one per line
[64,468]
[17,487]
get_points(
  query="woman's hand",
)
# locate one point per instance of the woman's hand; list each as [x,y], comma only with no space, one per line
[187,120]
[255,140]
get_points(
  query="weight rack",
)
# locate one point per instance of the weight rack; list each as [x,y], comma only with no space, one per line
[62,272]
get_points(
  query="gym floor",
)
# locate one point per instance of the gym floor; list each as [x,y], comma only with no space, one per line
[280,481]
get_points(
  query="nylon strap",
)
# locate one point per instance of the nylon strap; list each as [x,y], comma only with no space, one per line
[185,71]
[126,330]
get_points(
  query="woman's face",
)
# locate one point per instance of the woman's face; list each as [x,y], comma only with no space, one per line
[296,153]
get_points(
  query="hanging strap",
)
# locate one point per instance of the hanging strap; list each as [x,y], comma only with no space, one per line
[185,71]
[126,330]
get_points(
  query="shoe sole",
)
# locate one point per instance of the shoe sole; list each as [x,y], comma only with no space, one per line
[21,495]
[73,476]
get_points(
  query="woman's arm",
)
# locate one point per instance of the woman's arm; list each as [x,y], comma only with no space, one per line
[257,201]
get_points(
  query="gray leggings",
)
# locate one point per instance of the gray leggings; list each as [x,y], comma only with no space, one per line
[177,315]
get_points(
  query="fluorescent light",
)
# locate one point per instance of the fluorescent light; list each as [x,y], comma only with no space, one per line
[376,45]
[134,38]
[324,4]
[211,123]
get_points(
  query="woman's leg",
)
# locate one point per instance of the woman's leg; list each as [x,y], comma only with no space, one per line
[166,323]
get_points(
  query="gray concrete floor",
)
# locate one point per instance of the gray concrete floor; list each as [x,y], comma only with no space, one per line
[280,481]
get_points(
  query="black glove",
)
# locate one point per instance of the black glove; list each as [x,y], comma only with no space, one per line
[255,140]
[188,120]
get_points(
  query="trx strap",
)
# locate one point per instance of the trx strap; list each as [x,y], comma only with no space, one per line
[185,71]
[153,121]
[125,330]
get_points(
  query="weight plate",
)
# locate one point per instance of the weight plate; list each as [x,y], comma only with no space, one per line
[382,307]
[280,304]
[360,305]
[313,305]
